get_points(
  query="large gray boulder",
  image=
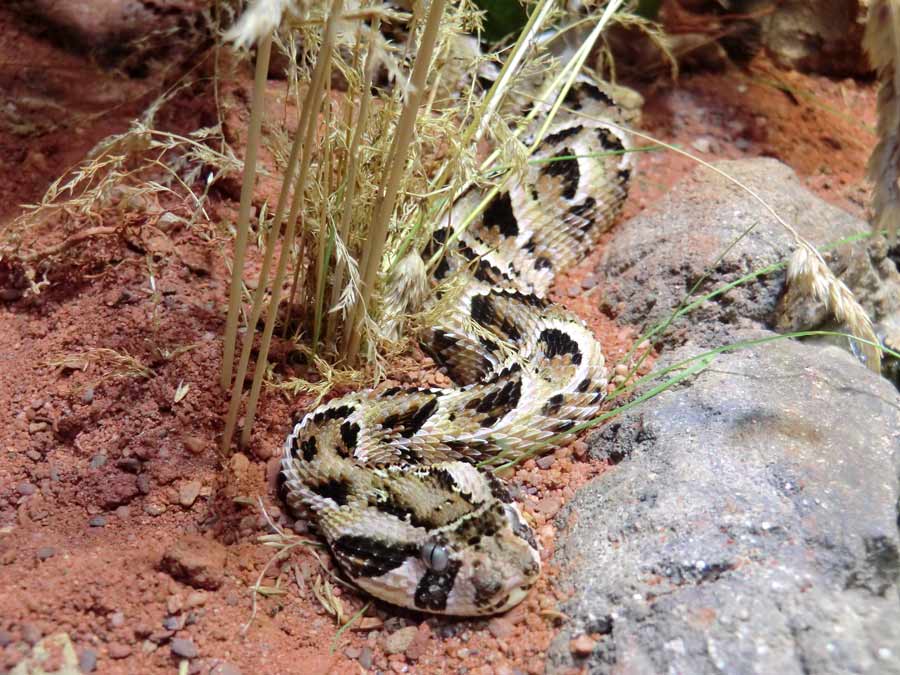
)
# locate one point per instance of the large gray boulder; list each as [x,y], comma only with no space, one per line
[750,526]
[750,521]
[655,260]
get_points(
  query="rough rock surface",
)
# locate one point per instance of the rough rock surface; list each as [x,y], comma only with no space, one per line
[750,528]
[655,259]
[822,36]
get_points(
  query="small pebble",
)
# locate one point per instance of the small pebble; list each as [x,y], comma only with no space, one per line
[546,461]
[583,645]
[129,464]
[174,604]
[225,668]
[143,484]
[366,657]
[173,623]
[97,521]
[154,509]
[548,506]
[194,444]
[34,456]
[184,648]
[97,461]
[31,633]
[87,660]
[500,627]
[579,449]
[352,652]
[188,493]
[122,512]
[87,396]
[117,619]
[36,427]
[159,636]
[705,145]
[117,650]
[6,638]
[26,489]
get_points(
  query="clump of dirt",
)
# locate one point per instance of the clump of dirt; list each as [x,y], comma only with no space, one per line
[121,525]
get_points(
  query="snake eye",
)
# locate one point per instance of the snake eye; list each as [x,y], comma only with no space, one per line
[435,556]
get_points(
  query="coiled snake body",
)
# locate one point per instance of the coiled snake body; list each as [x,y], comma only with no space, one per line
[390,475]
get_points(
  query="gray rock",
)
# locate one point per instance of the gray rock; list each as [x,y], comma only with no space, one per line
[750,526]
[655,259]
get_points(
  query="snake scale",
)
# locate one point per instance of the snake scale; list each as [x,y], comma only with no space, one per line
[390,475]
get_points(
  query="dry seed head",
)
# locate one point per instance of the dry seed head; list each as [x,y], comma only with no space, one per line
[257,21]
[809,273]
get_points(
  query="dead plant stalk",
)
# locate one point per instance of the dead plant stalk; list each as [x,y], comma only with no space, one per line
[314,101]
[396,167]
[257,106]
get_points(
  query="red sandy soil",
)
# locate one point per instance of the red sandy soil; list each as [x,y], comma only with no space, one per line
[102,477]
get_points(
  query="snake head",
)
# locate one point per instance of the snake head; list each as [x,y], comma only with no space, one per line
[444,539]
[497,570]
